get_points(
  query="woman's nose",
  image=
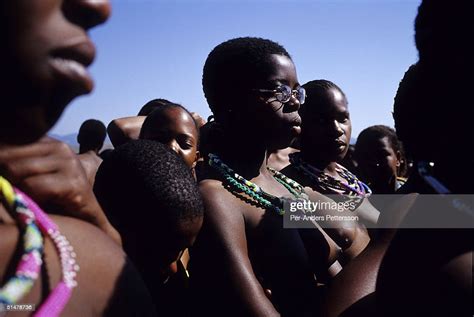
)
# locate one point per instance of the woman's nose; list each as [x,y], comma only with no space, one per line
[87,13]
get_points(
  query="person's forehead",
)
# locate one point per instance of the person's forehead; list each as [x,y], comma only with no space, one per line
[281,68]
[385,143]
[179,117]
[331,101]
[376,144]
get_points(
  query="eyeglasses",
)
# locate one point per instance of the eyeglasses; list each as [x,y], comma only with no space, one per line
[283,93]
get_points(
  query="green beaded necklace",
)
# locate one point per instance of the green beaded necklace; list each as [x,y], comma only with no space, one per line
[261,197]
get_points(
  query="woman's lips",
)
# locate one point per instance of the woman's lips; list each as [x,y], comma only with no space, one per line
[296,130]
[73,72]
[296,126]
[70,64]
[340,146]
[81,50]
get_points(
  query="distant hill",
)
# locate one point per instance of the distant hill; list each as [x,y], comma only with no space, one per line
[71,140]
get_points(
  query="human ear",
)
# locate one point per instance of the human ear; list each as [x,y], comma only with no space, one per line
[196,159]
[399,158]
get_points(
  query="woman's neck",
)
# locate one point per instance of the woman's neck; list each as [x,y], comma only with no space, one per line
[323,164]
[247,158]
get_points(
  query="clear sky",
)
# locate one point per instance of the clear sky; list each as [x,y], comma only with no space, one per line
[156,49]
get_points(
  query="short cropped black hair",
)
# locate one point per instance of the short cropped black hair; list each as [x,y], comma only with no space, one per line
[143,183]
[376,132]
[149,122]
[443,30]
[407,112]
[418,112]
[152,105]
[91,135]
[231,64]
[315,89]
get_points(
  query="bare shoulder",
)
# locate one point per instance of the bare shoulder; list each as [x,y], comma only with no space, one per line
[102,262]
[220,204]
[90,163]
[80,234]
[209,186]
[215,195]
[107,282]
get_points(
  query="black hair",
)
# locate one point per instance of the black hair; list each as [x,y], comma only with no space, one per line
[152,105]
[443,29]
[144,183]
[432,107]
[149,124]
[91,135]
[415,113]
[376,132]
[407,112]
[317,88]
[231,64]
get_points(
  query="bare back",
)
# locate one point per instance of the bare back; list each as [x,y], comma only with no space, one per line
[90,163]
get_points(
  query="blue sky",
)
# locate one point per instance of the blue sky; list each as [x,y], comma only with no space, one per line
[156,49]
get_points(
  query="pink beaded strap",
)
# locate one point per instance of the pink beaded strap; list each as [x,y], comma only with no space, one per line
[59,297]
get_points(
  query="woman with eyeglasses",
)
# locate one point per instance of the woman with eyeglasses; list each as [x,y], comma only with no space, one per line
[244,263]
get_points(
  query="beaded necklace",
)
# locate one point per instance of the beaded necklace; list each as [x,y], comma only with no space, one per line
[328,184]
[32,219]
[261,197]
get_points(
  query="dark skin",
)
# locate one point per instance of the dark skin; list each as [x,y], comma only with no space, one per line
[168,244]
[50,172]
[122,130]
[444,286]
[245,240]
[279,158]
[47,52]
[101,262]
[175,128]
[44,62]
[352,290]
[378,165]
[327,126]
[90,162]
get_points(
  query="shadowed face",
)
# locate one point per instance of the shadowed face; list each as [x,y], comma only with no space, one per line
[44,56]
[172,247]
[261,114]
[326,127]
[378,163]
[156,245]
[175,128]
